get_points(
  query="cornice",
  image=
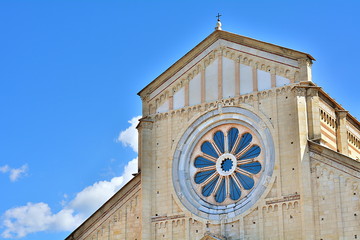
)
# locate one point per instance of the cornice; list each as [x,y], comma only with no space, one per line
[246,99]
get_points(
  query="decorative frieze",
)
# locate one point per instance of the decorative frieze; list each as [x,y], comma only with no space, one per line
[284,199]
[235,101]
[166,218]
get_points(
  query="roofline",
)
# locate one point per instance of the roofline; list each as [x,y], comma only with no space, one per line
[337,106]
[213,37]
[334,155]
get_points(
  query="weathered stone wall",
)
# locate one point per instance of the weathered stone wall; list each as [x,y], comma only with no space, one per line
[275,216]
[336,189]
[278,214]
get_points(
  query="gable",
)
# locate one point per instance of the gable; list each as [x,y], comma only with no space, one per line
[222,66]
[224,69]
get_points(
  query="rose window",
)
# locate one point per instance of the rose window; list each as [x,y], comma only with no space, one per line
[227,164]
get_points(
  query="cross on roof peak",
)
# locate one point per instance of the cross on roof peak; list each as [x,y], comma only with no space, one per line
[218,24]
[218,17]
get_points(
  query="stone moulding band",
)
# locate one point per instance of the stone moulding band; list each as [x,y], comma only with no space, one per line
[182,179]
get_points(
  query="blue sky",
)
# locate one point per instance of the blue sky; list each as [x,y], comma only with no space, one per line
[70,71]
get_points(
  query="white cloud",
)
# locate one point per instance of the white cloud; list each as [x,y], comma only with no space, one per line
[36,217]
[129,137]
[92,197]
[14,173]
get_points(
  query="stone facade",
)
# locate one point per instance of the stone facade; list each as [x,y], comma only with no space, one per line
[306,179]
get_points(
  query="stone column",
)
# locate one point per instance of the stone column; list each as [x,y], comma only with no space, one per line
[341,132]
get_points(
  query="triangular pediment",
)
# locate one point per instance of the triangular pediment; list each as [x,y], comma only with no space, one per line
[223,65]
[231,37]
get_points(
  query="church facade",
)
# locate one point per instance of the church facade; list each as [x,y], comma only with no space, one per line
[237,142]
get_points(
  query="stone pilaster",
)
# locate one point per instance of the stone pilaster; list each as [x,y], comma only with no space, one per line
[313,114]
[220,75]
[254,78]
[305,69]
[171,100]
[186,85]
[203,85]
[237,77]
[145,165]
[145,105]
[341,132]
[308,221]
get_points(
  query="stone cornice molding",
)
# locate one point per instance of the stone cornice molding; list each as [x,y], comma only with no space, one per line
[333,158]
[235,101]
[145,123]
[312,91]
[305,62]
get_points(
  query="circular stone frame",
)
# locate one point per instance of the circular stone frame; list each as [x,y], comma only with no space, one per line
[182,179]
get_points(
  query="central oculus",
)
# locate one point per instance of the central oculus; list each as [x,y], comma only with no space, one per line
[226,164]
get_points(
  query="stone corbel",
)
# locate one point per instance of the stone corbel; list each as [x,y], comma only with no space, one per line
[145,96]
[145,123]
[312,92]
[300,91]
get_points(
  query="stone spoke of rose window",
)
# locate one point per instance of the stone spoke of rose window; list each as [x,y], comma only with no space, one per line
[233,139]
[220,193]
[238,183]
[208,168]
[209,149]
[208,157]
[209,179]
[247,161]
[245,179]
[251,152]
[243,172]
[218,151]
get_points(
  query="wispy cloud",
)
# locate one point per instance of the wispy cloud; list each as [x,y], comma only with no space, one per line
[15,173]
[129,137]
[92,197]
[20,221]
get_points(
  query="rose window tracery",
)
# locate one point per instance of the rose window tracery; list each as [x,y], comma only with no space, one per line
[227,164]
[223,163]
